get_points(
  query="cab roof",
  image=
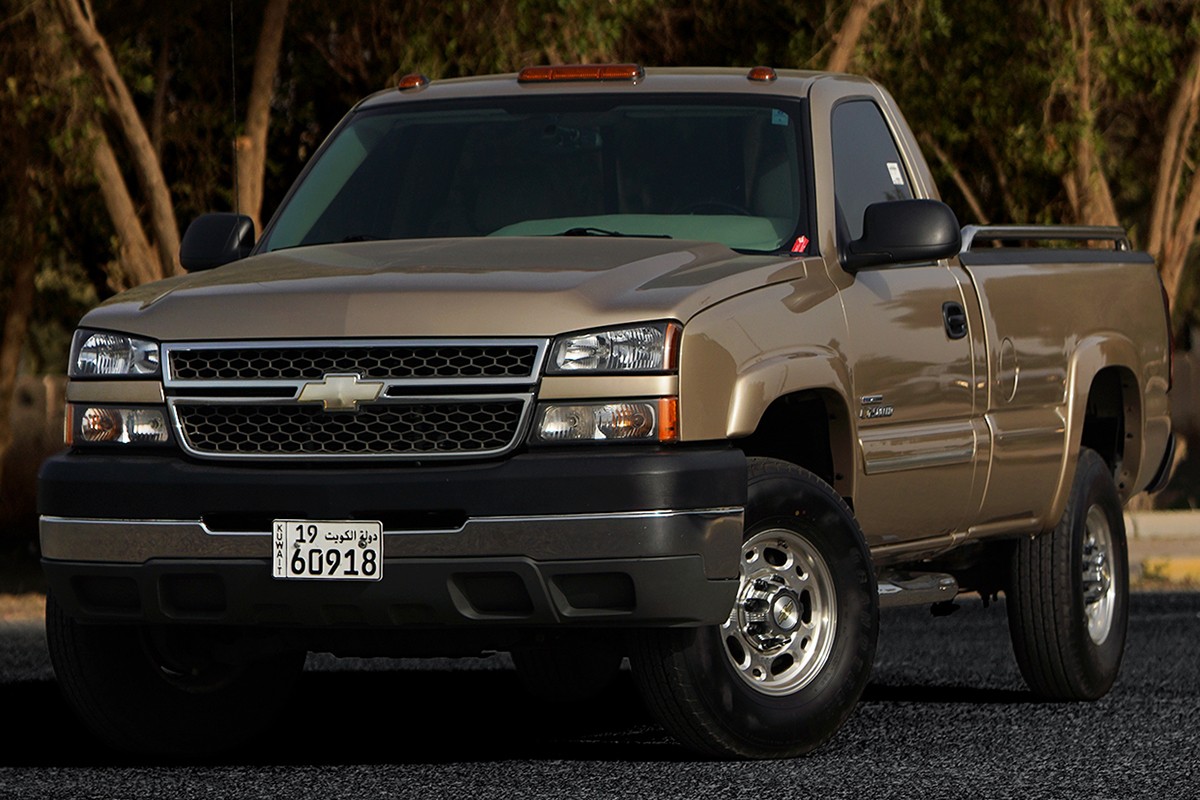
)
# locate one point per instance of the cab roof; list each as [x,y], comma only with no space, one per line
[671,80]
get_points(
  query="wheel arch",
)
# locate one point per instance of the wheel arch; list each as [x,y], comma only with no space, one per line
[810,428]
[1112,417]
[1104,413]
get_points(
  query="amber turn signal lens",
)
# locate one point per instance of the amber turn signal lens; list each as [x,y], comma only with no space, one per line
[413,80]
[668,419]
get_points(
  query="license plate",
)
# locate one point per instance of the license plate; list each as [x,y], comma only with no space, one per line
[340,550]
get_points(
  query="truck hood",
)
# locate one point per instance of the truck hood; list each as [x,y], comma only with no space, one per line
[514,286]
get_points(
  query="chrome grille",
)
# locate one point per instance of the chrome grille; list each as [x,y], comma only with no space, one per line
[376,361]
[446,427]
[342,398]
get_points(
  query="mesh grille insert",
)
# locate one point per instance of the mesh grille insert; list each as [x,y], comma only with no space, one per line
[435,428]
[378,362]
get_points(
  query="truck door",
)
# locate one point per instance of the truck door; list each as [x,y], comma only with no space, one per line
[914,362]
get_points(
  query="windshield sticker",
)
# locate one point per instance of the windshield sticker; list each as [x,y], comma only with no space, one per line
[778,117]
[896,173]
[800,246]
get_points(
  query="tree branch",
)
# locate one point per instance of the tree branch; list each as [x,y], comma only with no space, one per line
[1181,124]
[955,175]
[1173,256]
[846,39]
[252,146]
[137,260]
[1092,196]
[98,59]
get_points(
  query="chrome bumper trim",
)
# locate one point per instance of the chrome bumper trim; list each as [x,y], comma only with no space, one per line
[713,533]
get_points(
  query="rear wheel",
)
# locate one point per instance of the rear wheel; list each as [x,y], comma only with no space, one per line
[1068,592]
[785,670]
[160,690]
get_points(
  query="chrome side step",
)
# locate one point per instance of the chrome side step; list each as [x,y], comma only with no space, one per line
[900,588]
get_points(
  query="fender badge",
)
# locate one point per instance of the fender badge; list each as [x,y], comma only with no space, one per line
[873,408]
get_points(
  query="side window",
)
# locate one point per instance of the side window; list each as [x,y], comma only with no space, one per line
[866,164]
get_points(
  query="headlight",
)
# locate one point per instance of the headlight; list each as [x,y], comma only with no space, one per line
[112,425]
[627,420]
[100,353]
[650,347]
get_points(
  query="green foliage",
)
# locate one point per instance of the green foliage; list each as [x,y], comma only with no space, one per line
[46,186]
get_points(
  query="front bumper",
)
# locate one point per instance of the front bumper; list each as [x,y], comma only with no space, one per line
[586,539]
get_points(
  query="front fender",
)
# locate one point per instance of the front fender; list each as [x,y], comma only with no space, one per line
[739,356]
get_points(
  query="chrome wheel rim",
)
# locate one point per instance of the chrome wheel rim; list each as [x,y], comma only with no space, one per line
[782,627]
[1099,588]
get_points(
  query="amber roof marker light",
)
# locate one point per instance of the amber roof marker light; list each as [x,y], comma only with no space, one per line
[765,74]
[413,80]
[582,72]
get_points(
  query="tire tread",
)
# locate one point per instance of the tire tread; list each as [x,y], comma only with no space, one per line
[1042,603]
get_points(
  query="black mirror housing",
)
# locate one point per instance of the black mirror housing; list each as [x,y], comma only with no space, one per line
[215,239]
[903,231]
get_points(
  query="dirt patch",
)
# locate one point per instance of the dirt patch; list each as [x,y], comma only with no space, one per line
[22,607]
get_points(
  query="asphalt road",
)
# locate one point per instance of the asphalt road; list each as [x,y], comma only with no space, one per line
[945,716]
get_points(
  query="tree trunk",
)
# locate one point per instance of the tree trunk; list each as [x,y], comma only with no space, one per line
[957,177]
[1172,222]
[16,326]
[162,79]
[78,18]
[137,261]
[1173,256]
[846,39]
[252,146]
[1087,186]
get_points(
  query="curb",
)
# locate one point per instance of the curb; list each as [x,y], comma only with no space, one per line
[1163,525]
[1172,571]
[1164,548]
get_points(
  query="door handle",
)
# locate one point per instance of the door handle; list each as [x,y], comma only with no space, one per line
[955,318]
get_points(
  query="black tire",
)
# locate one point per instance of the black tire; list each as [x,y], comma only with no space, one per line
[1068,627]
[716,689]
[136,698]
[567,673]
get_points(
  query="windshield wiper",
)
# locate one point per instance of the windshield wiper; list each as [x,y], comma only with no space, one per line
[589,231]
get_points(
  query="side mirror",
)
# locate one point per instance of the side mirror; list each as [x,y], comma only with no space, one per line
[903,231]
[215,239]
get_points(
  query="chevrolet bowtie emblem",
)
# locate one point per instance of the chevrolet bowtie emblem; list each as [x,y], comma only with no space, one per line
[340,392]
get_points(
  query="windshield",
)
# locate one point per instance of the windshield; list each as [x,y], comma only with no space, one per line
[724,170]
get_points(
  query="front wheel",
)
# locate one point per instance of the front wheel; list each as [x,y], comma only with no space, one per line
[783,673]
[1068,592]
[161,690]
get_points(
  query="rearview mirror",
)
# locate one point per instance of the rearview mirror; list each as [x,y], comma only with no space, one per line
[215,239]
[901,231]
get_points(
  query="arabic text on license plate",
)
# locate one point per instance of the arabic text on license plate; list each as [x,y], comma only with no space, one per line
[327,549]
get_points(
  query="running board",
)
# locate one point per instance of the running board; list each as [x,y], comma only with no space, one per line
[899,588]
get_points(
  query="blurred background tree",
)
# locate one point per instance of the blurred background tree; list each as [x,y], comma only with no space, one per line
[122,121]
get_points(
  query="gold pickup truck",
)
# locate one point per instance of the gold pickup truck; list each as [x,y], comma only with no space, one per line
[689,367]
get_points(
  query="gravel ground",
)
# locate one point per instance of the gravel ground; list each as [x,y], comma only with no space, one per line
[946,712]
